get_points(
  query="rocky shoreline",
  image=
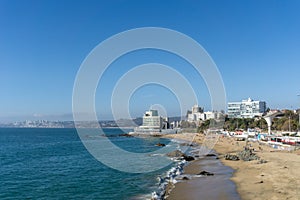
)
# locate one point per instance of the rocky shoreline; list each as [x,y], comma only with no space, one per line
[193,168]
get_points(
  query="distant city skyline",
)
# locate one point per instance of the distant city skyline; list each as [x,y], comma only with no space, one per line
[255,45]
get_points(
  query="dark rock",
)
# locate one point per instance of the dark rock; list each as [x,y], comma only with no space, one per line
[125,135]
[231,157]
[185,178]
[205,173]
[160,145]
[178,154]
[188,158]
[210,155]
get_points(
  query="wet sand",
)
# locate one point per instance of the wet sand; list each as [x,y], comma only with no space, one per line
[279,178]
[218,186]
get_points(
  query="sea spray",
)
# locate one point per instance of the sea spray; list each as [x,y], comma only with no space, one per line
[166,182]
[169,178]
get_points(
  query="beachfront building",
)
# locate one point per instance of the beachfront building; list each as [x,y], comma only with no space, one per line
[210,115]
[246,109]
[197,114]
[151,120]
[155,124]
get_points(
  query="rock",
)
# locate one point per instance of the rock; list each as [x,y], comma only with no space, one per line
[184,144]
[178,154]
[261,161]
[205,173]
[231,157]
[187,144]
[185,178]
[175,153]
[160,144]
[210,155]
[188,158]
[125,135]
[247,155]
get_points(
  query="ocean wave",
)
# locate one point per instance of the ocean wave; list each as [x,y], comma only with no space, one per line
[157,154]
[169,178]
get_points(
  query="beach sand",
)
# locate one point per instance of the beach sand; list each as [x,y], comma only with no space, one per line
[278,178]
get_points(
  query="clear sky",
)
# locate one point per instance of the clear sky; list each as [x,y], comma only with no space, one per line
[255,44]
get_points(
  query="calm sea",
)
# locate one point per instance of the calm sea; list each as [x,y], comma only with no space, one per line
[54,164]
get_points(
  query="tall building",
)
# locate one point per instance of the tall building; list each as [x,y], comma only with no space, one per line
[155,124]
[196,114]
[151,120]
[246,109]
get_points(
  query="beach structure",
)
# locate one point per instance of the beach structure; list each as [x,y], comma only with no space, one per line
[246,109]
[153,123]
[269,117]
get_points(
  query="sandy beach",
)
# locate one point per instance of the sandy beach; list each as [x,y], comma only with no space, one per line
[278,178]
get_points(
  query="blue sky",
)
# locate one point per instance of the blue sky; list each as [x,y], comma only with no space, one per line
[255,45]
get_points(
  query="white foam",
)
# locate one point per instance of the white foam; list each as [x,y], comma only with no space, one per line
[157,154]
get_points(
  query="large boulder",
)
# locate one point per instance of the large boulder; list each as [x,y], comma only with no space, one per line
[188,158]
[205,173]
[247,155]
[160,144]
[179,154]
[210,155]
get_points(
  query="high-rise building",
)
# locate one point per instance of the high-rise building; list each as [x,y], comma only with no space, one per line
[151,120]
[246,109]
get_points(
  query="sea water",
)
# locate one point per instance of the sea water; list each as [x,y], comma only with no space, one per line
[54,164]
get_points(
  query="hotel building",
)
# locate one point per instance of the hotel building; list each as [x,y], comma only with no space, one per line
[246,109]
[151,120]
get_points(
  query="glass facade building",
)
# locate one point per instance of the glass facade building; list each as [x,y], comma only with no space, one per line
[246,109]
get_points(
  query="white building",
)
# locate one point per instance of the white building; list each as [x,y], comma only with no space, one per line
[151,120]
[210,115]
[198,114]
[246,109]
[155,124]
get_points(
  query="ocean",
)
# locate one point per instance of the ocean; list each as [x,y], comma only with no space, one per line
[37,163]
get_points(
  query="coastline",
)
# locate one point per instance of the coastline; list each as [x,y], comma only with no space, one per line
[278,178]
